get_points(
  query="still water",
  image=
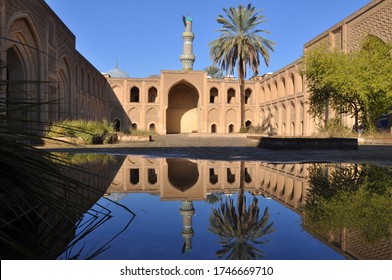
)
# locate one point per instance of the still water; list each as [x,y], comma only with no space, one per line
[158,208]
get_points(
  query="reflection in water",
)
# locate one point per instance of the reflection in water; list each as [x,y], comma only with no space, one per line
[346,206]
[350,206]
[239,228]
[187,211]
[55,222]
[182,173]
[213,198]
[299,187]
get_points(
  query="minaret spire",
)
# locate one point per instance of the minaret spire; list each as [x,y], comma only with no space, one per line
[187,57]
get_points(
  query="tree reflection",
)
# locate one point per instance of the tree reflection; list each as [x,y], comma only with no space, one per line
[356,197]
[215,197]
[239,227]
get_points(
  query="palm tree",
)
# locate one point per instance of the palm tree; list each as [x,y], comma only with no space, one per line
[214,72]
[240,45]
[240,229]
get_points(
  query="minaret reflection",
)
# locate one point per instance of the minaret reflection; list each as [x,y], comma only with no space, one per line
[187,211]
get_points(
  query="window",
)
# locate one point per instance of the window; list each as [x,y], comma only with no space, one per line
[248,177]
[152,95]
[231,96]
[230,176]
[135,95]
[134,176]
[248,95]
[213,176]
[213,95]
[152,176]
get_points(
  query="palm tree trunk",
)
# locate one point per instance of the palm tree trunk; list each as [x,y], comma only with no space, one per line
[241,77]
[241,193]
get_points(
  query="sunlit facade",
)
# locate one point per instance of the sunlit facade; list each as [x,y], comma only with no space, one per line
[188,101]
[37,46]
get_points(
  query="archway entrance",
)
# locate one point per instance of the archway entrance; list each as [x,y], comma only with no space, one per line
[182,115]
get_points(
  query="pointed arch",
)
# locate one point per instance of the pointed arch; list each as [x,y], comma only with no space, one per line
[182,114]
[152,95]
[134,116]
[214,95]
[25,56]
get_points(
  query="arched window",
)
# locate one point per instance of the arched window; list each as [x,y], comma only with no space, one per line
[152,176]
[134,176]
[248,178]
[275,90]
[230,176]
[248,123]
[231,96]
[248,96]
[152,95]
[135,94]
[292,83]
[134,126]
[231,128]
[213,95]
[283,87]
[284,114]
[213,176]
[269,93]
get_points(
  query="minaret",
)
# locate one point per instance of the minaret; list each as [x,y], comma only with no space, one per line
[187,212]
[187,57]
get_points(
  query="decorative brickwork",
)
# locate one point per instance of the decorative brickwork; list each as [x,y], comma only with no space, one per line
[378,23]
[338,38]
[360,249]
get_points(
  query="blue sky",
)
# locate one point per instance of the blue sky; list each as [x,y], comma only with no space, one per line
[145,36]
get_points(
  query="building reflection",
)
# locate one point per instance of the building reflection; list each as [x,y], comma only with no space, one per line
[188,180]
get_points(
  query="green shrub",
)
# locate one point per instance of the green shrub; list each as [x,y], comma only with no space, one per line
[334,128]
[90,132]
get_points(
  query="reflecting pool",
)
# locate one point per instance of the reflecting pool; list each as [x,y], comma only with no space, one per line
[171,208]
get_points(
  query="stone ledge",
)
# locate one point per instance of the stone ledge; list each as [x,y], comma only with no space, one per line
[375,141]
[303,143]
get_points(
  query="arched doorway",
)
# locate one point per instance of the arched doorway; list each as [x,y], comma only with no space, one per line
[116,119]
[213,128]
[182,115]
[116,124]
[152,128]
